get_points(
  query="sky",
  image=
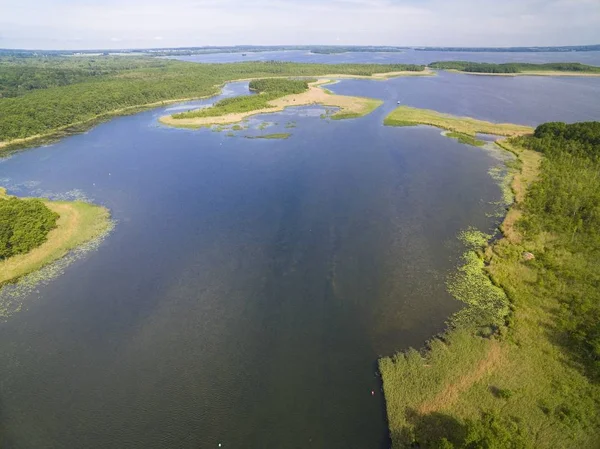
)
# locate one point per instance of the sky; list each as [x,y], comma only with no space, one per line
[113,24]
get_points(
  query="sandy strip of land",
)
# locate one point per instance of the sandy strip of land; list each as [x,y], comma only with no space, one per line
[314,95]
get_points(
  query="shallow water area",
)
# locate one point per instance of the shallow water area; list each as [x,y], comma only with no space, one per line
[250,285]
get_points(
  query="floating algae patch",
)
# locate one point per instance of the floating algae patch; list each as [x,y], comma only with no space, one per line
[271,136]
[13,295]
[487,304]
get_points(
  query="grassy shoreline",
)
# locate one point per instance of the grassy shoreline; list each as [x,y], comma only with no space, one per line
[409,116]
[78,223]
[502,361]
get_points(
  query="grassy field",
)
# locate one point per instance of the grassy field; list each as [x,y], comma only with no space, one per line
[508,354]
[78,223]
[408,116]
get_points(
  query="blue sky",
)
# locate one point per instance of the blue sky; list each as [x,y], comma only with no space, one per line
[74,24]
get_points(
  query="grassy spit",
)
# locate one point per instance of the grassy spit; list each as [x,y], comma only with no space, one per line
[78,223]
[409,116]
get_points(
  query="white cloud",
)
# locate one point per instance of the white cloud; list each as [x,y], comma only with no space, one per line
[56,23]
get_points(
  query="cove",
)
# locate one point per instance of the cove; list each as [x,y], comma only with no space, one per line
[250,285]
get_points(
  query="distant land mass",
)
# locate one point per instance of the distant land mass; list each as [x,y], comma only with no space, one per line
[515,49]
[317,49]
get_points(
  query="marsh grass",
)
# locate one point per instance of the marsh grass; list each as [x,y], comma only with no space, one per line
[409,116]
[367,105]
[465,139]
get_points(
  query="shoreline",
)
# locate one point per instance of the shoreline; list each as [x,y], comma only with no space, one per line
[78,223]
[82,126]
[350,107]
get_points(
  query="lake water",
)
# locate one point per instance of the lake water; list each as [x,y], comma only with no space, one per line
[250,285]
[406,57]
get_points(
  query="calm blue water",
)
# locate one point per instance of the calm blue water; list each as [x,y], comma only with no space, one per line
[407,57]
[250,285]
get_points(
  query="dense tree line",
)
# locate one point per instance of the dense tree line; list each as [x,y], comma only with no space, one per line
[42,111]
[513,67]
[566,202]
[18,76]
[24,225]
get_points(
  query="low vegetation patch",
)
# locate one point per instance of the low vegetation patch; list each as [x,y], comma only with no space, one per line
[467,139]
[271,136]
[409,116]
[519,366]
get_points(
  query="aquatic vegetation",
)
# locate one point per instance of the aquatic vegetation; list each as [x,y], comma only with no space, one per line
[290,124]
[12,295]
[271,136]
[409,116]
[467,139]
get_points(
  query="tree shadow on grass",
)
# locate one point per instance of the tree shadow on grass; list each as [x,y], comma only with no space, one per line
[427,431]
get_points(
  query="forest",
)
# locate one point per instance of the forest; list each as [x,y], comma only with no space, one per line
[513,67]
[135,83]
[566,202]
[24,224]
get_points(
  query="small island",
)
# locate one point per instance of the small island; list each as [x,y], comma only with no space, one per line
[36,232]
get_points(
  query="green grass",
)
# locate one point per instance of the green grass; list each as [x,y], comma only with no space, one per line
[466,139]
[409,116]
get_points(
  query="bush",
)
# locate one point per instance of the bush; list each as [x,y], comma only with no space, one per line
[24,225]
